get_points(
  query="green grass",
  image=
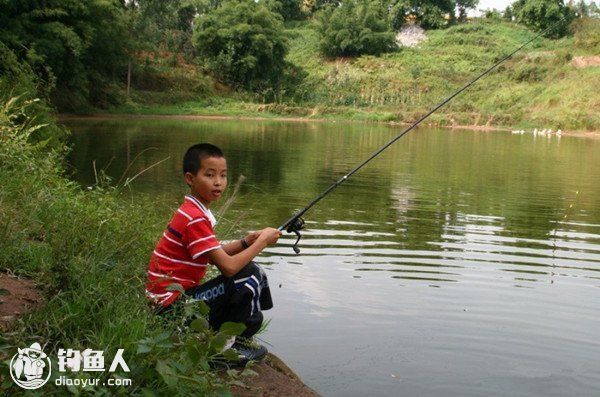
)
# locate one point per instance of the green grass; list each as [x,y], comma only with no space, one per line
[87,251]
[237,108]
[539,87]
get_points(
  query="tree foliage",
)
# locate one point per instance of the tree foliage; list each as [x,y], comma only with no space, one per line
[243,44]
[462,6]
[290,10]
[19,85]
[76,48]
[587,34]
[355,28]
[492,13]
[594,10]
[166,25]
[544,14]
[508,13]
[584,9]
[427,13]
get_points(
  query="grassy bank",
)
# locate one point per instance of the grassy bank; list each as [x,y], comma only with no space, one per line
[87,251]
[539,87]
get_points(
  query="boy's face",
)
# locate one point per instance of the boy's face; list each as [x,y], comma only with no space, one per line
[210,181]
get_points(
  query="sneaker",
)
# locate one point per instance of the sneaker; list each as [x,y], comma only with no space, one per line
[248,350]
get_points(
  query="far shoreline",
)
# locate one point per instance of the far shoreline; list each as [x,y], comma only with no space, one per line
[299,119]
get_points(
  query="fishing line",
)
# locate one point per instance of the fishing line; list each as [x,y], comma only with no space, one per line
[295,223]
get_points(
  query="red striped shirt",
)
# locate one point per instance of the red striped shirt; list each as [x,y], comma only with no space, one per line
[181,253]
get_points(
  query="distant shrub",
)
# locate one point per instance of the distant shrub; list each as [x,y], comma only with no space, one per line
[430,14]
[587,34]
[529,72]
[356,27]
[290,10]
[244,45]
[77,48]
[567,56]
[472,28]
[492,13]
[18,80]
[476,33]
[463,6]
[544,14]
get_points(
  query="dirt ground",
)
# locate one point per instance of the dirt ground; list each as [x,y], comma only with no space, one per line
[586,62]
[17,297]
[274,379]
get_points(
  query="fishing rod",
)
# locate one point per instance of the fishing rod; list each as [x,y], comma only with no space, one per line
[296,223]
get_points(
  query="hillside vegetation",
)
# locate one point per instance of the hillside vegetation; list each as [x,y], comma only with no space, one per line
[539,87]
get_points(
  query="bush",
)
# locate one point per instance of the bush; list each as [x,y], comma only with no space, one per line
[243,44]
[290,10]
[428,13]
[587,34]
[17,80]
[356,27]
[77,49]
[492,13]
[544,14]
[529,72]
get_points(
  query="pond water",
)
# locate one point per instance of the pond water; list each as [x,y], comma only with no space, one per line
[458,263]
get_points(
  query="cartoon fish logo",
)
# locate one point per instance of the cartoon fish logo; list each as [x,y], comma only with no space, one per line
[28,366]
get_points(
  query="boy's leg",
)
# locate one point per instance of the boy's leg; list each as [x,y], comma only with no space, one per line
[251,295]
[239,299]
[216,293]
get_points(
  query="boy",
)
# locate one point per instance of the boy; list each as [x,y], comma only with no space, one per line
[189,245]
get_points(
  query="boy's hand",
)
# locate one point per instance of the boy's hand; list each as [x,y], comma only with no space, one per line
[252,236]
[269,235]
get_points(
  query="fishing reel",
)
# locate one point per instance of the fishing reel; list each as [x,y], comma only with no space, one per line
[294,227]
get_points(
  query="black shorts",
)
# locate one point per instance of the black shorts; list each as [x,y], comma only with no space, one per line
[240,298]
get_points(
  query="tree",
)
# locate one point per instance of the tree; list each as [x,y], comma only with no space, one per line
[75,48]
[587,34]
[492,13]
[582,9]
[243,43]
[167,24]
[430,14]
[18,82]
[508,13]
[544,14]
[355,28]
[463,6]
[290,10]
[594,10]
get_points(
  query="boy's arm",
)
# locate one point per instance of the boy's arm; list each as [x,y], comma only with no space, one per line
[237,246]
[229,265]
[233,247]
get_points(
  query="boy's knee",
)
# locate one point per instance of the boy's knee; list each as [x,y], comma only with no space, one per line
[252,268]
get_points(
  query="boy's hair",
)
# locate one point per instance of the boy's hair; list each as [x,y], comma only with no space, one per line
[192,160]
